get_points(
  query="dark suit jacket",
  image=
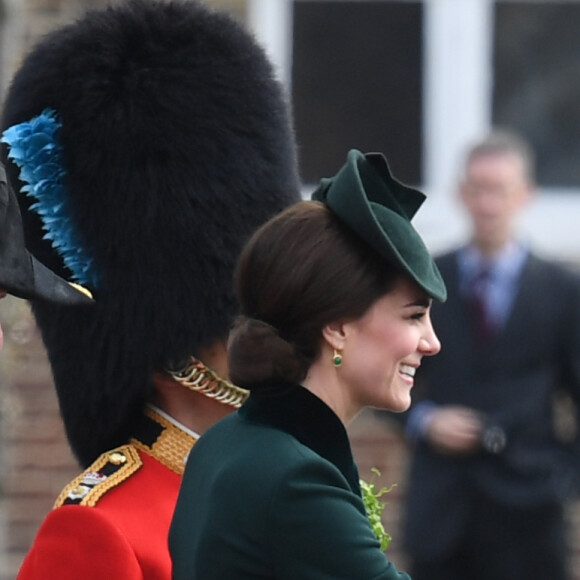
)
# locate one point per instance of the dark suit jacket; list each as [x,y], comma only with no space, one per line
[513,381]
[272,492]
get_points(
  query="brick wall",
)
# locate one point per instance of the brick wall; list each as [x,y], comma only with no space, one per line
[376,444]
[36,461]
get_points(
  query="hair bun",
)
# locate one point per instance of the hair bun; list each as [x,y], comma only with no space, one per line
[258,355]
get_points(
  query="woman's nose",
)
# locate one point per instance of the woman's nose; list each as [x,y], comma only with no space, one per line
[429,343]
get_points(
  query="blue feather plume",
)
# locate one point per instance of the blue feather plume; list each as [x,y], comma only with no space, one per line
[35,149]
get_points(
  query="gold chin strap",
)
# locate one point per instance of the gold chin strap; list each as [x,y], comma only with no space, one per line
[197,377]
[82,289]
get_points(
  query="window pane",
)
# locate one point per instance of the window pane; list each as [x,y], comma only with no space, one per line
[357,82]
[537,82]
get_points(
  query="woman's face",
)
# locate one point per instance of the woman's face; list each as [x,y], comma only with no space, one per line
[383,349]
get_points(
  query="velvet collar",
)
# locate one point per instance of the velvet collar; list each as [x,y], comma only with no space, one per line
[295,410]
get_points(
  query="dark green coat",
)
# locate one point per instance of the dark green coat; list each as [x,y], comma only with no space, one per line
[272,492]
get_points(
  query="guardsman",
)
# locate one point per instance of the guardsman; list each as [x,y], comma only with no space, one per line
[151,139]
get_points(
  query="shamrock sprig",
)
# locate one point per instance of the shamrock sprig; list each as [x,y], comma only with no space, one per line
[374,507]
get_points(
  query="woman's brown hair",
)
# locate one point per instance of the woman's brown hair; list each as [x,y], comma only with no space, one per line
[300,271]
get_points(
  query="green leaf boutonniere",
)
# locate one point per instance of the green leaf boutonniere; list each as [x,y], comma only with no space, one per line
[374,507]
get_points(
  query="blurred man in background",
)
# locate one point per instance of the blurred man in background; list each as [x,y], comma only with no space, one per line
[490,471]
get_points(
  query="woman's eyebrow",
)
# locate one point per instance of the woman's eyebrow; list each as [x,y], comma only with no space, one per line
[425,302]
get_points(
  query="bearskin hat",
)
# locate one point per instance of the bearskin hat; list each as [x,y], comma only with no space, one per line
[173,144]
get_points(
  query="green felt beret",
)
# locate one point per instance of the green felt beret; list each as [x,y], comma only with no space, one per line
[378,208]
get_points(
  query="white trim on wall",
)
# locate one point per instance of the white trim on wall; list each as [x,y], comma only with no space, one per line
[271,22]
[457,109]
[457,58]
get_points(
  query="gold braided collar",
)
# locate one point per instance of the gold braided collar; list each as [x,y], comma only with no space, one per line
[164,441]
[198,377]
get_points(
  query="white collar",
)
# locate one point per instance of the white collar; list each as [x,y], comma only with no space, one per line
[173,421]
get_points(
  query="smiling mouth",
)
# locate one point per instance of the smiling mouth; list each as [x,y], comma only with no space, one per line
[408,370]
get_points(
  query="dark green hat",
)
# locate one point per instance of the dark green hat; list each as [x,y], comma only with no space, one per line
[378,208]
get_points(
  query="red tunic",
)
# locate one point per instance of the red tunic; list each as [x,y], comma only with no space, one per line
[112,521]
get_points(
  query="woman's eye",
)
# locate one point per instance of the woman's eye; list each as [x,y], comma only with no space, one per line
[418,315]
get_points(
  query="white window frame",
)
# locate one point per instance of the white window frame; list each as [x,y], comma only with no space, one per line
[457,109]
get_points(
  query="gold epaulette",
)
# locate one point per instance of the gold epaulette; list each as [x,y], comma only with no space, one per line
[108,471]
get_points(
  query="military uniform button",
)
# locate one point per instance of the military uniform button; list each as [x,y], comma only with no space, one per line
[117,458]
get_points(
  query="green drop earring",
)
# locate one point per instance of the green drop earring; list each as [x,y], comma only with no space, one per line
[337,358]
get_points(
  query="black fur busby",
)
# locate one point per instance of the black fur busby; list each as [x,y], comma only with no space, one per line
[176,144]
